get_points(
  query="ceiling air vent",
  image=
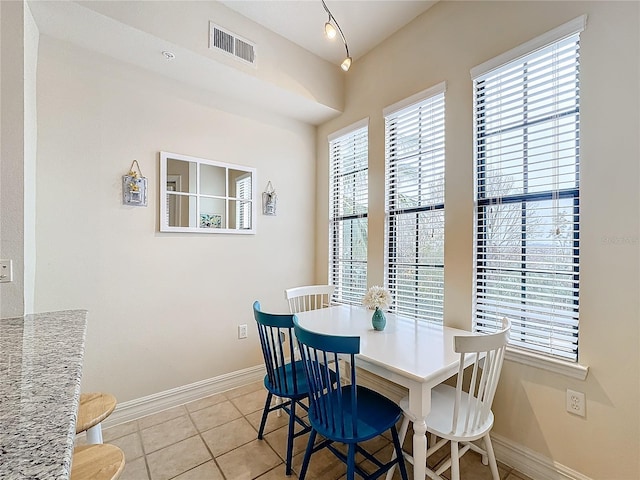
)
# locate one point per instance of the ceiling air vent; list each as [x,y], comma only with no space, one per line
[231,44]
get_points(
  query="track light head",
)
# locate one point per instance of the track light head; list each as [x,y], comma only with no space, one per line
[329,30]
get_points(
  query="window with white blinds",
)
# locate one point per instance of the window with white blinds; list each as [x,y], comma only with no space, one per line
[348,197]
[414,198]
[527,243]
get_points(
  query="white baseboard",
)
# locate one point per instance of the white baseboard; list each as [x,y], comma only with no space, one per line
[140,407]
[523,459]
[517,456]
[531,463]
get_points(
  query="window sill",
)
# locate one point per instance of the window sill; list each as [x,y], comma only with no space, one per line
[568,369]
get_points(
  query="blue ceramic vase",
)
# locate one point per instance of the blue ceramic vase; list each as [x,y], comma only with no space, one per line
[378,320]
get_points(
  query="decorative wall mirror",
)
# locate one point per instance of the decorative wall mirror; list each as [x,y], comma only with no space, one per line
[205,196]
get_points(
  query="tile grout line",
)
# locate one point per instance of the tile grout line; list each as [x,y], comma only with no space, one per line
[144,452]
[139,429]
[199,434]
[244,416]
[508,471]
[213,457]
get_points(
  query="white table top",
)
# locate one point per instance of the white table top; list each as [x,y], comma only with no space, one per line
[417,351]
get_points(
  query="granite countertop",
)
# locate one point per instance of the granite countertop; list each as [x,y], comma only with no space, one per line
[40,373]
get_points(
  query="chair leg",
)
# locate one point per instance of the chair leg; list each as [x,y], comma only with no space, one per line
[292,421]
[403,429]
[492,458]
[392,470]
[455,461]
[401,436]
[265,412]
[307,454]
[351,462]
[94,434]
[398,449]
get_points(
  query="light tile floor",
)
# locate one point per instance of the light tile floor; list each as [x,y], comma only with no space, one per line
[215,438]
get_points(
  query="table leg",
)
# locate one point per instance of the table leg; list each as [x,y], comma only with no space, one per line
[419,406]
[419,449]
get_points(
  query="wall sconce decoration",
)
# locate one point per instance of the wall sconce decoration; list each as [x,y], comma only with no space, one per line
[269,198]
[134,187]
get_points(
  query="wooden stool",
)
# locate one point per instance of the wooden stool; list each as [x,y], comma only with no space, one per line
[97,462]
[94,408]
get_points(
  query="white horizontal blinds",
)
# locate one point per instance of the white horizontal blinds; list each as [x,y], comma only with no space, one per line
[527,140]
[414,237]
[348,183]
[243,205]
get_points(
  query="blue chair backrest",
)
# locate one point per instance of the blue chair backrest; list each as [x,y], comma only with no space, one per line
[276,340]
[332,396]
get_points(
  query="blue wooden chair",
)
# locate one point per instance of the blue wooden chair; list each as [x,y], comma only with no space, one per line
[283,379]
[342,411]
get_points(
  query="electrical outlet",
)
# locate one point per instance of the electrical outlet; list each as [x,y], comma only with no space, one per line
[576,403]
[242,331]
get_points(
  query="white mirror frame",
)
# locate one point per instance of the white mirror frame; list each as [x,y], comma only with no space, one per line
[164,203]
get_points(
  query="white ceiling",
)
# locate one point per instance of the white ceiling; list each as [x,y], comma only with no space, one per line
[136,32]
[365,23]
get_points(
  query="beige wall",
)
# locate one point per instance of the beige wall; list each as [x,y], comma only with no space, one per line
[19,53]
[443,45]
[31,39]
[163,308]
[12,95]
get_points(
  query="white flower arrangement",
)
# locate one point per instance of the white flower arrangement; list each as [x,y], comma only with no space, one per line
[377,297]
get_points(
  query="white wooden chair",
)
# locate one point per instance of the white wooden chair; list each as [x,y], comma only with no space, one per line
[311,297]
[303,299]
[461,417]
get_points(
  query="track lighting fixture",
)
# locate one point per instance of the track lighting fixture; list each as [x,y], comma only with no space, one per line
[330,28]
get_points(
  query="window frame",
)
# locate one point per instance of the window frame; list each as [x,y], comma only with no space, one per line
[554,362]
[430,131]
[347,292]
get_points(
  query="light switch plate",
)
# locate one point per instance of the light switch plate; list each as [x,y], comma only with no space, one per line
[6,271]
